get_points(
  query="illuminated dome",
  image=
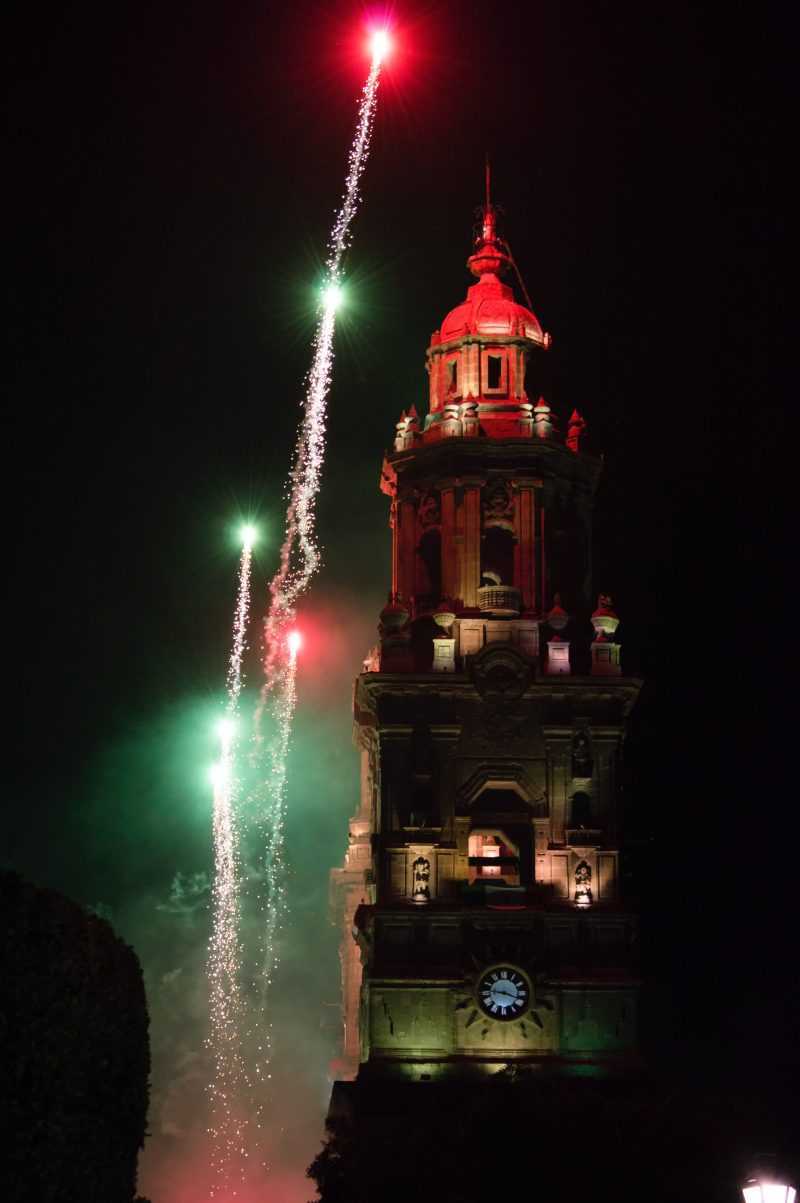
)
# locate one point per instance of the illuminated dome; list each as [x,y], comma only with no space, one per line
[478,359]
[490,308]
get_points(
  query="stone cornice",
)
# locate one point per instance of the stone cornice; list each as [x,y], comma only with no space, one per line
[453,687]
[453,458]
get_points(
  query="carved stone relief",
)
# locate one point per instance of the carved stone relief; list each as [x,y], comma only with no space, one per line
[420,880]
[500,674]
[581,755]
[583,884]
[430,513]
[498,504]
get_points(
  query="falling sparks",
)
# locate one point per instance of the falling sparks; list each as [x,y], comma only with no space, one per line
[299,560]
[241,1050]
[300,554]
[274,867]
[227,1122]
[234,678]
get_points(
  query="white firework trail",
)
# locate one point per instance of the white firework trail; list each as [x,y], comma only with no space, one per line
[235,677]
[300,554]
[299,560]
[227,1122]
[274,899]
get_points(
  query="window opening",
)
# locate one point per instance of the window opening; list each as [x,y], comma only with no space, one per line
[494,371]
[452,376]
[497,559]
[491,859]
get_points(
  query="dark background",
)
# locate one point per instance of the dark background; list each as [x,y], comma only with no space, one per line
[173,171]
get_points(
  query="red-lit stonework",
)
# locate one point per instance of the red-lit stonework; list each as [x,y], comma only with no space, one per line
[476,360]
[491,507]
[490,719]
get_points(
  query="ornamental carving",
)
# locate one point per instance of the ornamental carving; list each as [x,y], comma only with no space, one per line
[583,884]
[500,674]
[421,878]
[581,755]
[498,504]
[430,513]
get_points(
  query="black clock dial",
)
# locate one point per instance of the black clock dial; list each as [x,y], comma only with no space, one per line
[504,993]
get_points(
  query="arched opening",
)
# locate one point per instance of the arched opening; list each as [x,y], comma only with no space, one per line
[581,810]
[429,570]
[497,556]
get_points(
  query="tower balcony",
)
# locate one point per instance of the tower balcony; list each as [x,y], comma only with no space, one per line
[500,601]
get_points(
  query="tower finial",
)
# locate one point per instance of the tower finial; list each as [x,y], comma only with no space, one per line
[490,256]
[489,224]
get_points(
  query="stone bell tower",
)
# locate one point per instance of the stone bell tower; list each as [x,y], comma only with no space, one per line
[482,925]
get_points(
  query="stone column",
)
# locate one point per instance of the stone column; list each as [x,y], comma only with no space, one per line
[407,547]
[450,566]
[525,534]
[471,563]
[432,368]
[393,523]
[471,370]
[557,755]
[543,557]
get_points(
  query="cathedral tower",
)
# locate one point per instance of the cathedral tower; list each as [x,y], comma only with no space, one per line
[482,926]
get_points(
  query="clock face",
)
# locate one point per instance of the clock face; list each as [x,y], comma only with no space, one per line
[504,993]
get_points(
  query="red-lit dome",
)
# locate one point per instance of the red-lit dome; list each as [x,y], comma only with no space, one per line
[490,308]
[477,360]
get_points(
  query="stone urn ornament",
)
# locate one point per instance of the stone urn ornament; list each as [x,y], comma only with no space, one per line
[444,615]
[604,620]
[557,618]
[394,615]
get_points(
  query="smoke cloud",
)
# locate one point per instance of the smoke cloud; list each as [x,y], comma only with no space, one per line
[168,921]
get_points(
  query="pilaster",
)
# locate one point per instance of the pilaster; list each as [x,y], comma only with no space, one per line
[471,564]
[450,565]
[558,747]
[525,535]
[395,529]
[407,546]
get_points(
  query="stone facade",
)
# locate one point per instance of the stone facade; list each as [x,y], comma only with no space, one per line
[480,909]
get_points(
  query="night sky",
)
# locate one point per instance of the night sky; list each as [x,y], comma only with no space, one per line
[173,171]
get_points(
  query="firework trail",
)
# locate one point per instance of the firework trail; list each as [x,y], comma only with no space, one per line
[227,1123]
[299,560]
[274,888]
[300,555]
